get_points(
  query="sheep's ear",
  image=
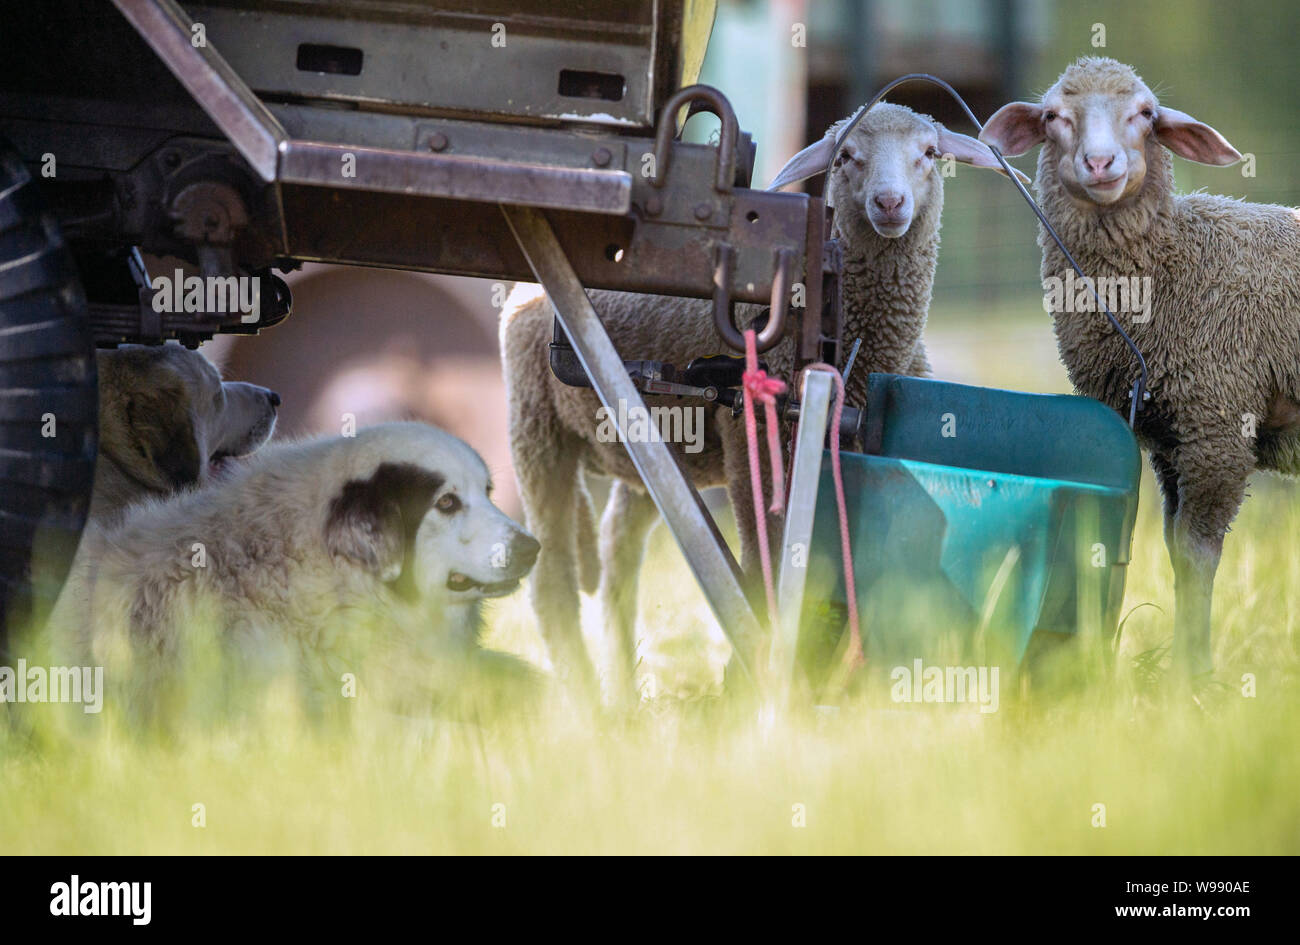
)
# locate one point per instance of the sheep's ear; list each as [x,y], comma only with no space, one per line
[1014,128]
[967,150]
[809,162]
[1191,139]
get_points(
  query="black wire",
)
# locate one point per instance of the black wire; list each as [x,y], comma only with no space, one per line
[1139,391]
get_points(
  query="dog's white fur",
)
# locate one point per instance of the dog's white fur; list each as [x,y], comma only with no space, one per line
[314,557]
[167,421]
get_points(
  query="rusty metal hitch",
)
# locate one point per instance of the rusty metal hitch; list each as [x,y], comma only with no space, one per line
[700,98]
[723,260]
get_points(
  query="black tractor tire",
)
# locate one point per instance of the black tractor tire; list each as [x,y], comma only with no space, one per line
[48,403]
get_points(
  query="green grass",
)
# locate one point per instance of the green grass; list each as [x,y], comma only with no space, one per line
[687,773]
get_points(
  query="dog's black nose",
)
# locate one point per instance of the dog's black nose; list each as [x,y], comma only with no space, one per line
[523,550]
[273,397]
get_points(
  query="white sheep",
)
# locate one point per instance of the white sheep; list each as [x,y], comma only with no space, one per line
[887,189]
[1219,320]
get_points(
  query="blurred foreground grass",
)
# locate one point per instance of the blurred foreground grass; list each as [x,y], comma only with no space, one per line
[687,774]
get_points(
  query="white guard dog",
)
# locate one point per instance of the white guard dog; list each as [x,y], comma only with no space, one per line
[317,558]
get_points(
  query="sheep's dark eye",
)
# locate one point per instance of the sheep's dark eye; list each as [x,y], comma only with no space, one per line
[447,503]
[1148,113]
[931,152]
[1050,116]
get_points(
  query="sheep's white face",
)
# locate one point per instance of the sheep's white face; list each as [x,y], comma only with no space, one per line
[887,175]
[886,171]
[1100,141]
[1099,120]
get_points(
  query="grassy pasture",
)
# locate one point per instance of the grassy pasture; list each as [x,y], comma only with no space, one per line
[686,773]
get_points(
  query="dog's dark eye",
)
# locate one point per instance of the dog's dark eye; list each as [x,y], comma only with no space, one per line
[447,503]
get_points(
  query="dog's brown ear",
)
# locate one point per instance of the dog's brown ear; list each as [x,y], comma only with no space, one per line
[162,425]
[372,522]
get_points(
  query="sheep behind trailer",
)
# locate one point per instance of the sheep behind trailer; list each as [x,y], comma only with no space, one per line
[535,140]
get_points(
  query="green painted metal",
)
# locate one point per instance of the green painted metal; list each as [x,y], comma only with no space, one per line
[979,518]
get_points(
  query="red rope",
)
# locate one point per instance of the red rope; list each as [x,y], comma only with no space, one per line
[758,386]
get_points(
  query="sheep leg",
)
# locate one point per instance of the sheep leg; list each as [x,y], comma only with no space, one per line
[741,496]
[629,516]
[1206,506]
[735,456]
[1196,559]
[740,491]
[585,537]
[548,475]
[1167,479]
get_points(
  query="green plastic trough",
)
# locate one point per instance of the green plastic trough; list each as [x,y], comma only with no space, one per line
[980,520]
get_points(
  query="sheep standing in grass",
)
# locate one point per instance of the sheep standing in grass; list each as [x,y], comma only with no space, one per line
[887,189]
[1220,330]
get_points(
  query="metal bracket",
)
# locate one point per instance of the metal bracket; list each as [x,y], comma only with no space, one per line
[415,174]
[701,98]
[724,255]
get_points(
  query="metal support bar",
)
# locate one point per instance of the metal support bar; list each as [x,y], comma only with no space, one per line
[814,410]
[679,503]
[461,178]
[220,92]
[808,344]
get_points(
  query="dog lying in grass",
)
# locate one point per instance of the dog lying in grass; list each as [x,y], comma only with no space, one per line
[356,564]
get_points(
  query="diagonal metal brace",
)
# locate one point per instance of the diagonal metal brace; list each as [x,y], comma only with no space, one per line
[229,102]
[659,467]
[801,509]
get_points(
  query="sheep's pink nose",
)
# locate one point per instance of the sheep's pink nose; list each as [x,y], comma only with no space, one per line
[889,201]
[1098,163]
